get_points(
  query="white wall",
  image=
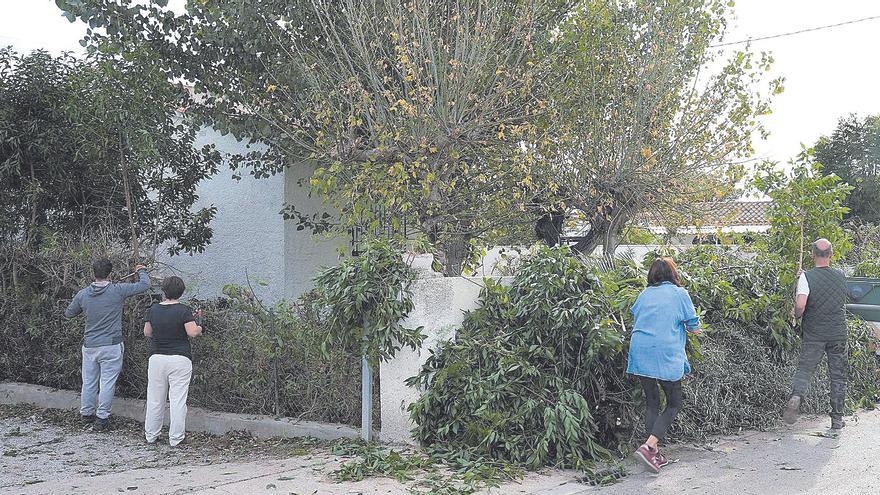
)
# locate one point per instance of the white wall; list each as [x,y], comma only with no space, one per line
[304,252]
[248,231]
[439,305]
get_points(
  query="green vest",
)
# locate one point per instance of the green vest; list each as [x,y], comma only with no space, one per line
[825,314]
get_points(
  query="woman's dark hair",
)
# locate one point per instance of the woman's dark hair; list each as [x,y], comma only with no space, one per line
[663,270]
[173,287]
[102,268]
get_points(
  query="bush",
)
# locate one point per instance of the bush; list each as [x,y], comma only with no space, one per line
[243,363]
[865,257]
[537,373]
[363,302]
[534,375]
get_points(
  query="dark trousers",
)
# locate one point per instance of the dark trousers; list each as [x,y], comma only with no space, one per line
[656,423]
[811,355]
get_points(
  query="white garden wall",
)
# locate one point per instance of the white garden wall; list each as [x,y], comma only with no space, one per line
[439,307]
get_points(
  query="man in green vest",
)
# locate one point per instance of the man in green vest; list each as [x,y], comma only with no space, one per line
[821,302]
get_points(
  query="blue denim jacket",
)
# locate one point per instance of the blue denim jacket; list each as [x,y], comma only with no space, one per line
[663,314]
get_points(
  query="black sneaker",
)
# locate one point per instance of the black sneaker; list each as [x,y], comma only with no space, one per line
[837,423]
[87,419]
[792,410]
[102,424]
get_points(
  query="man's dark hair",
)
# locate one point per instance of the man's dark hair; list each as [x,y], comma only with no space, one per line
[173,287]
[663,270]
[102,268]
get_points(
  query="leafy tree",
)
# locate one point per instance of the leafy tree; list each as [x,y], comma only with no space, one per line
[96,143]
[423,110]
[807,204]
[410,109]
[464,116]
[228,49]
[852,152]
[363,302]
[647,127]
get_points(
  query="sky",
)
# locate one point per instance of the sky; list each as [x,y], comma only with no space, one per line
[829,73]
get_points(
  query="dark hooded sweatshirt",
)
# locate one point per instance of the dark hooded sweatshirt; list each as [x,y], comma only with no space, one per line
[102,305]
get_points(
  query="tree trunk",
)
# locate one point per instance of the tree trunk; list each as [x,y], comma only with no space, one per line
[549,227]
[604,231]
[612,235]
[588,244]
[454,252]
[595,237]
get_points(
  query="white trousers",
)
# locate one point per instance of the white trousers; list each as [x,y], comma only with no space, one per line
[168,377]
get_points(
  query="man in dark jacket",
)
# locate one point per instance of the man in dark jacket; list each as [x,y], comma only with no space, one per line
[821,301]
[102,349]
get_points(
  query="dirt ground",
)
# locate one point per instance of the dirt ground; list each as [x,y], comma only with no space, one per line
[48,452]
[38,445]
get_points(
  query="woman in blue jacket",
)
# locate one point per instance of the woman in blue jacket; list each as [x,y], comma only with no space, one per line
[663,314]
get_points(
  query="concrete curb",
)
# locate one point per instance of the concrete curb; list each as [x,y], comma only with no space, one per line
[197,419]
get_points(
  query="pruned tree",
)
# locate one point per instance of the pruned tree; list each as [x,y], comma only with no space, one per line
[647,127]
[422,108]
[416,108]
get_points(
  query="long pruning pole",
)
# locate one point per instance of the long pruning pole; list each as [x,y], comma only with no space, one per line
[800,267]
[801,260]
[123,142]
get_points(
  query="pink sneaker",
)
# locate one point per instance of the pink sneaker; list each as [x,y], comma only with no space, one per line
[649,456]
[661,459]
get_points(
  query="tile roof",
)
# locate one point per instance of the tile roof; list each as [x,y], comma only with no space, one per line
[725,214]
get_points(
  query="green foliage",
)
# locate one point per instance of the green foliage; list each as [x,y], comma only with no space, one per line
[435,471]
[536,374]
[230,49]
[364,300]
[639,236]
[743,291]
[375,461]
[865,256]
[807,205]
[95,143]
[527,370]
[852,152]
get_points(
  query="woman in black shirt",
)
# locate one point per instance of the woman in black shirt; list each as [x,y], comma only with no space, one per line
[170,324]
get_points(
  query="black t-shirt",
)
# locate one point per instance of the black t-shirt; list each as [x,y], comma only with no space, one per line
[169,334]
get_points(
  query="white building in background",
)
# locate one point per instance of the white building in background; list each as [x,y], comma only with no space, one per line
[251,240]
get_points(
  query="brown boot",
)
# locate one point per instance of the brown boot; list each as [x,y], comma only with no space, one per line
[792,410]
